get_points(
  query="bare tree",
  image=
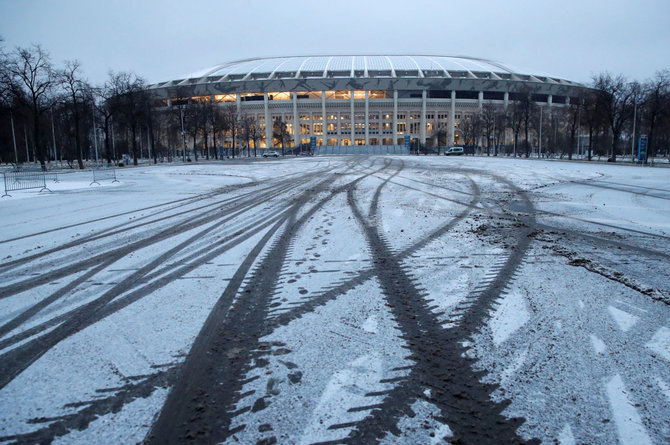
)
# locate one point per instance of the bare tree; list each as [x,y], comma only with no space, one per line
[488,122]
[501,120]
[280,132]
[255,133]
[573,119]
[515,120]
[656,105]
[615,97]
[75,87]
[32,81]
[231,124]
[440,132]
[131,99]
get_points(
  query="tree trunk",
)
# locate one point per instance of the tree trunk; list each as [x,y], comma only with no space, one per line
[36,131]
[590,139]
[77,141]
[134,131]
[108,149]
[205,146]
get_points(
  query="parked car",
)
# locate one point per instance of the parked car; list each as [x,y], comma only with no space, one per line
[270,153]
[454,151]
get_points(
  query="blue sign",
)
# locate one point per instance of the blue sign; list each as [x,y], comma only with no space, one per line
[406,141]
[642,149]
[312,142]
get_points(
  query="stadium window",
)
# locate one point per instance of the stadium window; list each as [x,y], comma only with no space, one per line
[304,128]
[304,117]
[377,94]
[225,97]
[249,97]
[316,117]
[284,95]
[462,94]
[359,94]
[338,94]
[318,129]
[308,95]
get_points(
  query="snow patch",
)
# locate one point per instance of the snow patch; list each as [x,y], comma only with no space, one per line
[628,421]
[345,389]
[622,318]
[660,343]
[566,437]
[598,344]
[510,316]
[370,325]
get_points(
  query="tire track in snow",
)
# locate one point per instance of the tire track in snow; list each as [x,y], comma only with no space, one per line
[442,365]
[200,408]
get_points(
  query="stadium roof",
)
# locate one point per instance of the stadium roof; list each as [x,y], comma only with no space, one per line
[365,66]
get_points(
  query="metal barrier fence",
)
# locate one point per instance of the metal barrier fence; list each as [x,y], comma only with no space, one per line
[100,173]
[361,150]
[24,180]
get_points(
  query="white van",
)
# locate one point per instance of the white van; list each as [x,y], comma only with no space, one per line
[454,151]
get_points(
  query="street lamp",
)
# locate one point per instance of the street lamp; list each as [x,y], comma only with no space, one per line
[183,141]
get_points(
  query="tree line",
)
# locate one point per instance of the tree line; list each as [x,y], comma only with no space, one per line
[604,120]
[50,113]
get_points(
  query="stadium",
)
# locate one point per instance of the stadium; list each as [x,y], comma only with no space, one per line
[375,100]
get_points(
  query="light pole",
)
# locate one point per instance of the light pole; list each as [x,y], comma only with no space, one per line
[53,135]
[183,142]
[95,135]
[539,155]
[111,125]
[632,143]
[16,153]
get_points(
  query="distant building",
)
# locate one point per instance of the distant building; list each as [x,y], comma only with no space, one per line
[365,99]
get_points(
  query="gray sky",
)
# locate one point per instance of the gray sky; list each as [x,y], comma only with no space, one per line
[163,40]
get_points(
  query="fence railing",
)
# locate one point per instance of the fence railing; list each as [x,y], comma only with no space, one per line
[25,180]
[361,150]
[102,173]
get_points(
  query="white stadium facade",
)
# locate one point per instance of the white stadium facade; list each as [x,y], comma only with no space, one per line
[364,99]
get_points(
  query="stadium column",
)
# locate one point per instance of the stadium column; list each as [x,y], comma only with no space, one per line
[296,123]
[422,133]
[395,117]
[268,123]
[452,116]
[367,117]
[506,100]
[353,131]
[324,120]
[481,100]
[238,103]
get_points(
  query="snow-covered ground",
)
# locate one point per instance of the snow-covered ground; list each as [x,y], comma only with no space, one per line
[346,299]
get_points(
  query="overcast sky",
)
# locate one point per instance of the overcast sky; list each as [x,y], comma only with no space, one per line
[163,40]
